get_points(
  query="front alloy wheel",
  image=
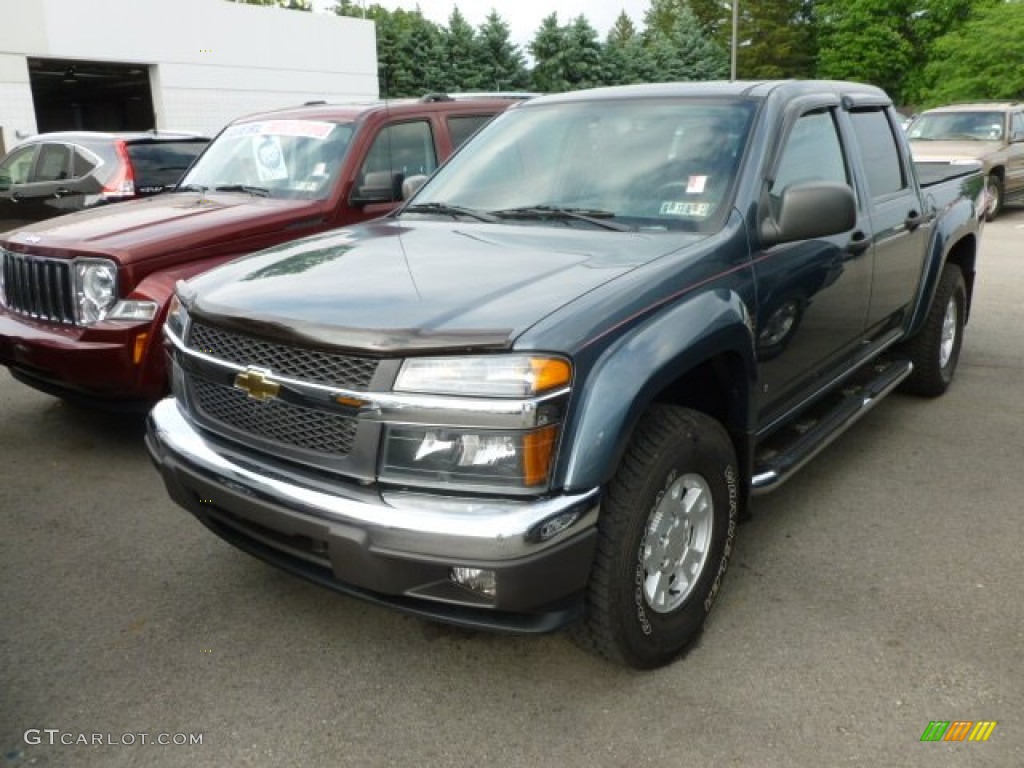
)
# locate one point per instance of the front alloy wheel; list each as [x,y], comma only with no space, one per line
[665,536]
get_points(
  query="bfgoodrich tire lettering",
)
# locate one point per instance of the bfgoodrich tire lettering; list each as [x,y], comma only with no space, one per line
[935,350]
[668,521]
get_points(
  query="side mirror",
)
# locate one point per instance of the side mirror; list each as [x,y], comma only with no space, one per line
[412,184]
[378,187]
[811,209]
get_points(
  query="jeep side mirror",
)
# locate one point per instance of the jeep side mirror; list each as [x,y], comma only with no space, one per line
[378,187]
[412,184]
[808,210]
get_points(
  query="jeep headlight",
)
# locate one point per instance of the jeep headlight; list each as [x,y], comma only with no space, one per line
[95,289]
[177,318]
[476,459]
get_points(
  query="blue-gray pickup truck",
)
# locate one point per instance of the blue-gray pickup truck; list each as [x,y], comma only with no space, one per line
[542,393]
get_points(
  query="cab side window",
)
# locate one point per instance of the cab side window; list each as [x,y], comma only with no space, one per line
[883,167]
[1017,127]
[461,127]
[398,152]
[812,152]
[54,163]
[18,165]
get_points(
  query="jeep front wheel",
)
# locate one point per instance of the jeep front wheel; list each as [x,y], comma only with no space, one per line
[665,536]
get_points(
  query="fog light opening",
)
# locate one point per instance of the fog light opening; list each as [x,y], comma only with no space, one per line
[479,580]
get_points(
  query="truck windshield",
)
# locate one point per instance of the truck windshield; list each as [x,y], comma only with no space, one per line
[957,126]
[651,165]
[296,159]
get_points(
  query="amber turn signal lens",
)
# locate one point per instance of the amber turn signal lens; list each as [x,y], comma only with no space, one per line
[140,347]
[538,447]
[549,373]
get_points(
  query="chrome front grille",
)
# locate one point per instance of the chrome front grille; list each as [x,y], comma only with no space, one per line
[276,420]
[38,287]
[300,363]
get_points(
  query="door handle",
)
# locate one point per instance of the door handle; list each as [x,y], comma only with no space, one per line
[61,191]
[859,242]
[913,220]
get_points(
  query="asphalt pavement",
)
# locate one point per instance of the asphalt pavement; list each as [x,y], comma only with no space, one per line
[876,592]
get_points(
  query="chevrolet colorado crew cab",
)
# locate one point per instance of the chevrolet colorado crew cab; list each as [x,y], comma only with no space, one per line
[542,392]
[83,296]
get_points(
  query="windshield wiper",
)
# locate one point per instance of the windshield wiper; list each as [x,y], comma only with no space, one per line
[261,191]
[596,217]
[192,188]
[449,210]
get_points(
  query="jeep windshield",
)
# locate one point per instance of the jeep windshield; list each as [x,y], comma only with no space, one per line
[293,159]
[957,126]
[648,165]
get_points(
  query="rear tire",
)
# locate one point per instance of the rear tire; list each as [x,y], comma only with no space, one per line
[665,536]
[935,350]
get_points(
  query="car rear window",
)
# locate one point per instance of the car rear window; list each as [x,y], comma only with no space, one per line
[159,165]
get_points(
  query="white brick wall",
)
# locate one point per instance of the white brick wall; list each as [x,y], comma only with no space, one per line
[16,113]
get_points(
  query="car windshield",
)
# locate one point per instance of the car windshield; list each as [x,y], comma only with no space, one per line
[651,164]
[957,126]
[297,159]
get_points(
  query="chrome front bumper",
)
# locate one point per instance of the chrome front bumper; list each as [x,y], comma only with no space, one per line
[394,543]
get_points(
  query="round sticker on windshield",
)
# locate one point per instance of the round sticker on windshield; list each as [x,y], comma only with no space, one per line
[269,158]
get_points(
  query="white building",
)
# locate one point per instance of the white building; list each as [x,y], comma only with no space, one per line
[177,64]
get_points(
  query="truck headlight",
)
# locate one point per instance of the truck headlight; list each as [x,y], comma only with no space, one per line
[477,459]
[484,460]
[95,289]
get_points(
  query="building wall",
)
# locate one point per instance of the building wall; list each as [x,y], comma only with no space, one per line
[209,60]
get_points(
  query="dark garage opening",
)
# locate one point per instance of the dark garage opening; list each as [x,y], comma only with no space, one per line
[71,95]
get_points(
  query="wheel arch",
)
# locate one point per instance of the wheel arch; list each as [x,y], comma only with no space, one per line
[699,355]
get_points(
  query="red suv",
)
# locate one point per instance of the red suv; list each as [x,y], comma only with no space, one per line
[56,173]
[83,296]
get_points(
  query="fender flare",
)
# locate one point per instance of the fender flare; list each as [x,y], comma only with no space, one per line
[630,374]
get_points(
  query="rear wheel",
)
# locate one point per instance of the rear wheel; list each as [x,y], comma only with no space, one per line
[935,350]
[668,521]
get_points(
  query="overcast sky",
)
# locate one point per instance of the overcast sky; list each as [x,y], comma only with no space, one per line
[522,16]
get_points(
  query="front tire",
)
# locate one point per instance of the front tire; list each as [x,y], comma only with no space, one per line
[935,350]
[995,196]
[665,536]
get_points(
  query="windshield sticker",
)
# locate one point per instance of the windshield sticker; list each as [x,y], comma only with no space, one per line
[688,210]
[696,184]
[305,128]
[269,158]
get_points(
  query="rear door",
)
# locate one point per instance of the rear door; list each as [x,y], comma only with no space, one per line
[1014,185]
[897,219]
[40,196]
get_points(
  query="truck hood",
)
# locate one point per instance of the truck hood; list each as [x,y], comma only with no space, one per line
[393,286]
[137,230]
[950,151]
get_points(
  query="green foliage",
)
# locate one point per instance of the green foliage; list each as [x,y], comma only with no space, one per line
[982,59]
[914,49]
[295,5]
[683,50]
[501,64]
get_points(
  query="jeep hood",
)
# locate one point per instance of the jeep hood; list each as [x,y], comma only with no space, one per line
[393,285]
[137,230]
[925,151]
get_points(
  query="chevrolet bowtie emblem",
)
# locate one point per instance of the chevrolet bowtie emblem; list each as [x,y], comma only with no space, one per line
[256,384]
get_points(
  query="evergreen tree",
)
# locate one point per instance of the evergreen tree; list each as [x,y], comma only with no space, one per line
[622,31]
[548,48]
[776,40]
[625,58]
[502,66]
[463,55]
[583,57]
[685,51]
[294,5]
